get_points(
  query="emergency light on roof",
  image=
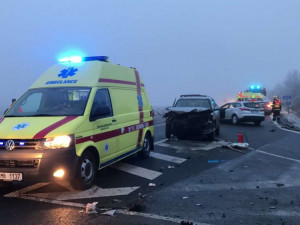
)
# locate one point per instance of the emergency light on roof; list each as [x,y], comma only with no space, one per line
[78,59]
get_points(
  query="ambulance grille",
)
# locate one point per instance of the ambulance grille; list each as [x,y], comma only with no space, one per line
[20,144]
[19,163]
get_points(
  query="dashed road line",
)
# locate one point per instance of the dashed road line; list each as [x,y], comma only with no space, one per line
[26,190]
[167,157]
[158,142]
[160,125]
[136,170]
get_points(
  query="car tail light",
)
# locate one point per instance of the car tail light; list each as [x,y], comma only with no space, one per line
[244,109]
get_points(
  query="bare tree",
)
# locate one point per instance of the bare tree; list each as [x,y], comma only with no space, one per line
[291,87]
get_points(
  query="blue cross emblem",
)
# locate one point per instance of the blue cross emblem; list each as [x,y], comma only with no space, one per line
[21,126]
[106,147]
[71,71]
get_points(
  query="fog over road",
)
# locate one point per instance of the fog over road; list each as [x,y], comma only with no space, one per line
[194,180]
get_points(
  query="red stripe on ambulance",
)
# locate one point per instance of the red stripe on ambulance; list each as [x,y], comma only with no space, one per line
[105,80]
[2,119]
[47,130]
[139,95]
[114,133]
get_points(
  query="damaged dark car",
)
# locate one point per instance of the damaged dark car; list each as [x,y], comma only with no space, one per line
[193,116]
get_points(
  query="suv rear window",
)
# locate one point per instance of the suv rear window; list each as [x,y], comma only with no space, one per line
[252,105]
[204,103]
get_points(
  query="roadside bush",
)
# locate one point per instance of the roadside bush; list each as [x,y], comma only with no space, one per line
[290,86]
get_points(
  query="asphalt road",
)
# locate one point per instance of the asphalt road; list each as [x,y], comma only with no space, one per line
[196,181]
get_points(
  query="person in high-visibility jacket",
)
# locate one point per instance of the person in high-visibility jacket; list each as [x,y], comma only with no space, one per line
[276,108]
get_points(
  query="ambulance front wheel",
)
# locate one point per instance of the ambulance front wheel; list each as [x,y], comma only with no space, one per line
[85,172]
[145,152]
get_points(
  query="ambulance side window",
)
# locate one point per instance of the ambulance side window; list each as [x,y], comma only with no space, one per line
[102,105]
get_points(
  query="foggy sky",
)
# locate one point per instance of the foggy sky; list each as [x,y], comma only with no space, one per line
[214,47]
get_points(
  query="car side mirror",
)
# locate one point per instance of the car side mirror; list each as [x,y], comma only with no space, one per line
[217,108]
[100,112]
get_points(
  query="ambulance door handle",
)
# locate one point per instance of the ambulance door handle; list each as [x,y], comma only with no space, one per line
[114,120]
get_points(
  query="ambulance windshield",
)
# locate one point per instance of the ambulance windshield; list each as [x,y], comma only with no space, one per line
[62,101]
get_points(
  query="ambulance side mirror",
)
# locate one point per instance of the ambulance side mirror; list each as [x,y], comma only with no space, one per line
[100,112]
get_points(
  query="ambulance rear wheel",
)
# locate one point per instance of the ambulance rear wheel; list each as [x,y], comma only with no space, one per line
[85,172]
[145,152]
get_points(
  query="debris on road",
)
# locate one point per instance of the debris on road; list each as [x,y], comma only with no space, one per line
[198,204]
[110,212]
[91,208]
[279,185]
[185,197]
[171,167]
[186,223]
[272,207]
[151,185]
[274,201]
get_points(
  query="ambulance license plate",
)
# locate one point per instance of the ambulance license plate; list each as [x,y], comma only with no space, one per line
[11,176]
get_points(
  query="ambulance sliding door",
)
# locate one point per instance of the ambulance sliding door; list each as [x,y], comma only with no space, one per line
[104,125]
[125,106]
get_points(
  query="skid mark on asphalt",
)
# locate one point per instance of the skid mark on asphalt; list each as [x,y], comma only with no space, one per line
[183,146]
[136,170]
[94,192]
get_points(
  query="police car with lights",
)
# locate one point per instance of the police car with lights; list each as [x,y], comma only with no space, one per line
[80,116]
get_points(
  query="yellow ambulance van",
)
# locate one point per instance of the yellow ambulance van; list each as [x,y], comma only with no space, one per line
[80,116]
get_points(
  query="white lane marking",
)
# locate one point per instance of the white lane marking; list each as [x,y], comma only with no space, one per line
[160,125]
[161,141]
[278,156]
[25,190]
[167,157]
[94,192]
[158,217]
[136,170]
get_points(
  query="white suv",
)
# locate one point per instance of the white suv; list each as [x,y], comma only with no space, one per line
[237,112]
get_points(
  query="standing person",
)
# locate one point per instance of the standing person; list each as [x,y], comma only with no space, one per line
[276,108]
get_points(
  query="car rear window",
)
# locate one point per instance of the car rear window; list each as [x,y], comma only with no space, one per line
[252,105]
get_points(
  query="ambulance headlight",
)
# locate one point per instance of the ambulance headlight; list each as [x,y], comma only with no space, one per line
[57,142]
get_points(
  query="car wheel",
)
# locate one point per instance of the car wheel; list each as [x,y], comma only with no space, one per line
[211,136]
[257,123]
[85,172]
[235,120]
[145,152]
[168,132]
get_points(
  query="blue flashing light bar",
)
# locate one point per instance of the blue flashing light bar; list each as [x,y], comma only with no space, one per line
[22,143]
[252,87]
[1,143]
[78,59]
[258,87]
